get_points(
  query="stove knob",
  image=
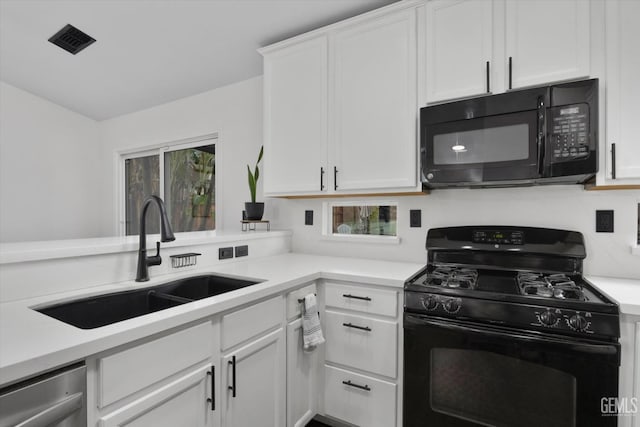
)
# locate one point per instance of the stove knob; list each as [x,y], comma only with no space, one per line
[430,302]
[451,305]
[578,323]
[548,318]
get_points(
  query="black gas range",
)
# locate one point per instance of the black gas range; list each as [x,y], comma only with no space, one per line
[502,329]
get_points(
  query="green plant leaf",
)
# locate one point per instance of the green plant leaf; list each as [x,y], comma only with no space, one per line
[252,185]
[260,155]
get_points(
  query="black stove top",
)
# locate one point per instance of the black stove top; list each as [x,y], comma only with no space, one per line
[524,277]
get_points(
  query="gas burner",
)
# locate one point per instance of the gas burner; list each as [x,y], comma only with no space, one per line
[452,277]
[558,286]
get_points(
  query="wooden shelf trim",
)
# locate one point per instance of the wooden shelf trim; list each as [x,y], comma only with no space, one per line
[593,187]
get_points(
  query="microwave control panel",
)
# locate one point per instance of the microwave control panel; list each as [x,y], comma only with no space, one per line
[569,132]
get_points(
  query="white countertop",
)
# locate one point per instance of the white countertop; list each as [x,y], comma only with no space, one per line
[31,342]
[626,292]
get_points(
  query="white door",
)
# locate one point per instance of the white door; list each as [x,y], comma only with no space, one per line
[459,44]
[181,403]
[255,395]
[623,88]
[373,143]
[302,370]
[295,118]
[547,40]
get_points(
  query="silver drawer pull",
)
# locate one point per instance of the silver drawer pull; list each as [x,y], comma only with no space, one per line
[351,325]
[356,297]
[361,387]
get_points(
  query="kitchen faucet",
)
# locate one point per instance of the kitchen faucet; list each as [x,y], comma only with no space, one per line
[166,235]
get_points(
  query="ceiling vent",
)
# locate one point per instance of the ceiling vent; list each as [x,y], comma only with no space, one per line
[71,39]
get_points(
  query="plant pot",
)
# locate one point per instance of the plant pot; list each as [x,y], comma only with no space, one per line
[254,210]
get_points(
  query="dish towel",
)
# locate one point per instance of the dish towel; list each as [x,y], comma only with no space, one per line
[311,331]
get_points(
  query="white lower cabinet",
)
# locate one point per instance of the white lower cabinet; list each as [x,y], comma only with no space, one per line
[362,373]
[302,367]
[359,399]
[301,378]
[161,382]
[253,365]
[179,403]
[253,379]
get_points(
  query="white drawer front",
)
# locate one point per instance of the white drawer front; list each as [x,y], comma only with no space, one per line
[249,322]
[129,371]
[364,299]
[362,342]
[293,305]
[359,399]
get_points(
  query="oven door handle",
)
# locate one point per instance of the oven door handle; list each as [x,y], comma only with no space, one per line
[598,349]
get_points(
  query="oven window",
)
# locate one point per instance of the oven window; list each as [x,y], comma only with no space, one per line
[485,145]
[496,390]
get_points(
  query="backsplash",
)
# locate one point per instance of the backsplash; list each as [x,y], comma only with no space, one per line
[563,207]
[48,276]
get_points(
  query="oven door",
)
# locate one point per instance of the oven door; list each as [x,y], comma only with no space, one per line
[461,375]
[482,150]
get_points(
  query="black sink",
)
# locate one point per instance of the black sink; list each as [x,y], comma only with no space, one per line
[101,310]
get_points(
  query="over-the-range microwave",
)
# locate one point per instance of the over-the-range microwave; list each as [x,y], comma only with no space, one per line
[541,135]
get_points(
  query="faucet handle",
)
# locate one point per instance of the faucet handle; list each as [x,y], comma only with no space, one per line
[157,249]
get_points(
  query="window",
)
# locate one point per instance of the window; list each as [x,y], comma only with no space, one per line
[183,175]
[363,219]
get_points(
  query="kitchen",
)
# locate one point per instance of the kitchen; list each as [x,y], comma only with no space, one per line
[293,254]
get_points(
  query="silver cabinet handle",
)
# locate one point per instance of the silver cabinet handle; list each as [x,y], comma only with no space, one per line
[54,414]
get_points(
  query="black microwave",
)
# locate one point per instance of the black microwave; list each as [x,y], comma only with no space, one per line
[541,135]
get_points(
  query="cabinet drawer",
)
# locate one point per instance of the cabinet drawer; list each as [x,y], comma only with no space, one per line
[129,371]
[293,305]
[362,342]
[358,399]
[364,299]
[251,321]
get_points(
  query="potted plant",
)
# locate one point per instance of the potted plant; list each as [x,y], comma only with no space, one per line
[254,211]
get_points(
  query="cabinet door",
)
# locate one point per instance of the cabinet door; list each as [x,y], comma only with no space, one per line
[459,45]
[547,40]
[180,403]
[301,378]
[623,87]
[295,118]
[258,383]
[374,104]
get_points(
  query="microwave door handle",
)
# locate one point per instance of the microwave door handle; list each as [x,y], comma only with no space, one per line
[599,349]
[540,135]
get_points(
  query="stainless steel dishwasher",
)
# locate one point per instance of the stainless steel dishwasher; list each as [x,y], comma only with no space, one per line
[56,399]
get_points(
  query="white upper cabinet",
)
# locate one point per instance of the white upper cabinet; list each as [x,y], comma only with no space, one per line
[623,89]
[374,105]
[340,107]
[459,48]
[473,47]
[546,41]
[295,117]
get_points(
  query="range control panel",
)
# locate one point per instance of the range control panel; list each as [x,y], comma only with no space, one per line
[569,132]
[498,237]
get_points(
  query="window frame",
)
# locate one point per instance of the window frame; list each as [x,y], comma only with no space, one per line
[160,149]
[327,222]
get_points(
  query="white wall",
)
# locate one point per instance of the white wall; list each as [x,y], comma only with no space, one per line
[234,112]
[51,177]
[564,207]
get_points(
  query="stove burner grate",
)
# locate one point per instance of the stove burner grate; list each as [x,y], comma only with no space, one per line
[558,286]
[452,277]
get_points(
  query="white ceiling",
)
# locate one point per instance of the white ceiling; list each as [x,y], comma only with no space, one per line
[149,52]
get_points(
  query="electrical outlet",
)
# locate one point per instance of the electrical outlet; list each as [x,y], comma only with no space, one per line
[225,253]
[308,217]
[242,250]
[604,221]
[415,218]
